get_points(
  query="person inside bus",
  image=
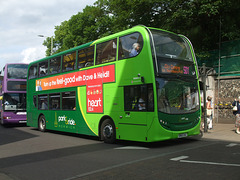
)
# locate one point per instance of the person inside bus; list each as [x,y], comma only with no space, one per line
[150,100]
[42,73]
[55,106]
[6,102]
[134,103]
[70,66]
[141,104]
[135,49]
[44,104]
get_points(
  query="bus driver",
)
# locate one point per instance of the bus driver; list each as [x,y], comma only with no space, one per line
[134,51]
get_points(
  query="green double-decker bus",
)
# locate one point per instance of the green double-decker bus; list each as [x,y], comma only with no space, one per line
[140,84]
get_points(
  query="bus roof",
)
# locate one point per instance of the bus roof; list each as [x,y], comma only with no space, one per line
[103,39]
[63,52]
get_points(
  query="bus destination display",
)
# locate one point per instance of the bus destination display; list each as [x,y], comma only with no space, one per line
[175,68]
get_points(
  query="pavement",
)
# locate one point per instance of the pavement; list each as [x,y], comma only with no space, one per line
[223,132]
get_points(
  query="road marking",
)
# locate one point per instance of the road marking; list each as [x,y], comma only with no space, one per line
[210,163]
[135,161]
[131,147]
[181,159]
[231,145]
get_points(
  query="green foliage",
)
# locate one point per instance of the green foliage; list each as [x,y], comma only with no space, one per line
[81,28]
[202,21]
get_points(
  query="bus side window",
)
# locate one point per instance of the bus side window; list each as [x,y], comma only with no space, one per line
[106,52]
[43,68]
[85,57]
[138,98]
[69,100]
[55,65]
[54,101]
[69,61]
[35,101]
[43,102]
[33,72]
[130,45]
[150,99]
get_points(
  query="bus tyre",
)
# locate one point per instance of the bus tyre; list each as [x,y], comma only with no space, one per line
[108,131]
[42,123]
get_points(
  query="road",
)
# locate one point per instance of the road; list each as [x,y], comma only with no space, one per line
[27,154]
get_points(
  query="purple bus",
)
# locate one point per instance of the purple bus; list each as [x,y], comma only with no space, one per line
[13,93]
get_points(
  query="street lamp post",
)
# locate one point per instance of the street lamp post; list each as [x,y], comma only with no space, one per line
[51,42]
[204,96]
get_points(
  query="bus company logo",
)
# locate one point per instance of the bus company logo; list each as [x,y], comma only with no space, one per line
[96,103]
[69,121]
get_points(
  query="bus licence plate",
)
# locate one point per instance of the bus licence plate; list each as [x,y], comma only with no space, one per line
[182,135]
[21,113]
[22,121]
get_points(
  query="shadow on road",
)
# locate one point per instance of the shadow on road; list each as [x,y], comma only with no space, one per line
[10,134]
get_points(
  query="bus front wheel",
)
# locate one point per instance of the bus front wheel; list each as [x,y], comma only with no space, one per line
[108,131]
[42,123]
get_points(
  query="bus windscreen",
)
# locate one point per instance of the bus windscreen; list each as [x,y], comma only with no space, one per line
[14,102]
[17,71]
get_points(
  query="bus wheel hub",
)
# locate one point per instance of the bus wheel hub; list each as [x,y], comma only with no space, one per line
[108,131]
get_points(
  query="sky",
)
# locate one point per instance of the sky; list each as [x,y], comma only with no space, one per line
[21,21]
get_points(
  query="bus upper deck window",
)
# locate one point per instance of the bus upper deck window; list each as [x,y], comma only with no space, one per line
[43,68]
[130,45]
[106,51]
[55,65]
[85,57]
[69,61]
[33,72]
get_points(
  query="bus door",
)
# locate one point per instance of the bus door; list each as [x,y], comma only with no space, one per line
[138,103]
[32,116]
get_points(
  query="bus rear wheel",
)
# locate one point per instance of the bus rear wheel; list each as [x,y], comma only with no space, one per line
[42,123]
[108,131]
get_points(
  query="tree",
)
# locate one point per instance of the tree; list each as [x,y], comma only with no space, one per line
[202,21]
[86,26]
[197,19]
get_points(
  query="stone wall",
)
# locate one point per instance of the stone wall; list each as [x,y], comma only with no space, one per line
[228,91]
